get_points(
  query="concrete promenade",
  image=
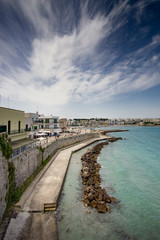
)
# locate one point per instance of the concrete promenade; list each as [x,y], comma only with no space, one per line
[42,196]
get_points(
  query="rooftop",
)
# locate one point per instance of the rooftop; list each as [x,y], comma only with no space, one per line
[21,142]
[48,117]
[11,109]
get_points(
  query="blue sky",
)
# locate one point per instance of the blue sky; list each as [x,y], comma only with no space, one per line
[81,58]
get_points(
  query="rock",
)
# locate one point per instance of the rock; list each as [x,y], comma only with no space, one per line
[108,209]
[106,197]
[90,196]
[90,181]
[108,200]
[86,202]
[96,186]
[101,207]
[100,197]
[85,196]
[87,189]
[85,174]
[93,204]
[113,199]
[94,195]
[88,211]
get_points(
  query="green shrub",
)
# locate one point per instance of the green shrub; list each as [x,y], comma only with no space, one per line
[5,146]
[10,197]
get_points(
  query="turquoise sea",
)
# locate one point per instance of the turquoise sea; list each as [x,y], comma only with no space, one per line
[131,173]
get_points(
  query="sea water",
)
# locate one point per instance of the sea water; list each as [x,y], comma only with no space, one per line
[130,171]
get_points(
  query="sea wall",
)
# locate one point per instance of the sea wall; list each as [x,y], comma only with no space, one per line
[64,142]
[26,164]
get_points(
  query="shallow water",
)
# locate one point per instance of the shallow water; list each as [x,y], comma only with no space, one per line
[130,172]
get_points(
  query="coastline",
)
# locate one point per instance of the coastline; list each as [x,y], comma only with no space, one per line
[24,212]
[50,207]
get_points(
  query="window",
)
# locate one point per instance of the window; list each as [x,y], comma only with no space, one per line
[3,128]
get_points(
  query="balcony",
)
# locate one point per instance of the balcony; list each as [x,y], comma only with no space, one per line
[16,132]
[38,121]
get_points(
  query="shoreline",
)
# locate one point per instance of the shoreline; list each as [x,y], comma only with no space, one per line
[26,212]
[24,216]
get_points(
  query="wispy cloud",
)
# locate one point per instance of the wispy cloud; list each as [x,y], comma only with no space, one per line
[141,7]
[66,64]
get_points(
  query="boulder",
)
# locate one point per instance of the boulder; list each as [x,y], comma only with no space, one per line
[108,209]
[85,174]
[101,207]
[113,199]
[87,189]
[90,196]
[93,204]
[100,197]
[97,186]
[86,202]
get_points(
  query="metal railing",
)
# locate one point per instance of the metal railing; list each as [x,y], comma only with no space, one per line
[21,150]
[12,132]
[3,133]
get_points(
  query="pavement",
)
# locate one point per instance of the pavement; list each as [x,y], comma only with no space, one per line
[41,198]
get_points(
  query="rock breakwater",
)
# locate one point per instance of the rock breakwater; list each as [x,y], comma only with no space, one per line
[94,195]
[104,132]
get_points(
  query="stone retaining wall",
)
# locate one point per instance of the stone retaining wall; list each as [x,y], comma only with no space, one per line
[3,184]
[26,164]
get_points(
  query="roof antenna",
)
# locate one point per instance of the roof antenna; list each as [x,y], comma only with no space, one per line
[8,102]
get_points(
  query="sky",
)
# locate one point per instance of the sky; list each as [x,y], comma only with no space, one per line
[81,58]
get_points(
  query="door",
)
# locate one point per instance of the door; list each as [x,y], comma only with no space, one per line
[9,127]
[19,126]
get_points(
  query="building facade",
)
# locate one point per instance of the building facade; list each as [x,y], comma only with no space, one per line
[63,124]
[50,123]
[32,121]
[12,123]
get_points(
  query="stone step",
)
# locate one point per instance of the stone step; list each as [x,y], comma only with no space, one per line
[49,207]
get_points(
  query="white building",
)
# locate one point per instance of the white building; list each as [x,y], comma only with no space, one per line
[50,123]
[32,121]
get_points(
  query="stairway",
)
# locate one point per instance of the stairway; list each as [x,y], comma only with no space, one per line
[49,207]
